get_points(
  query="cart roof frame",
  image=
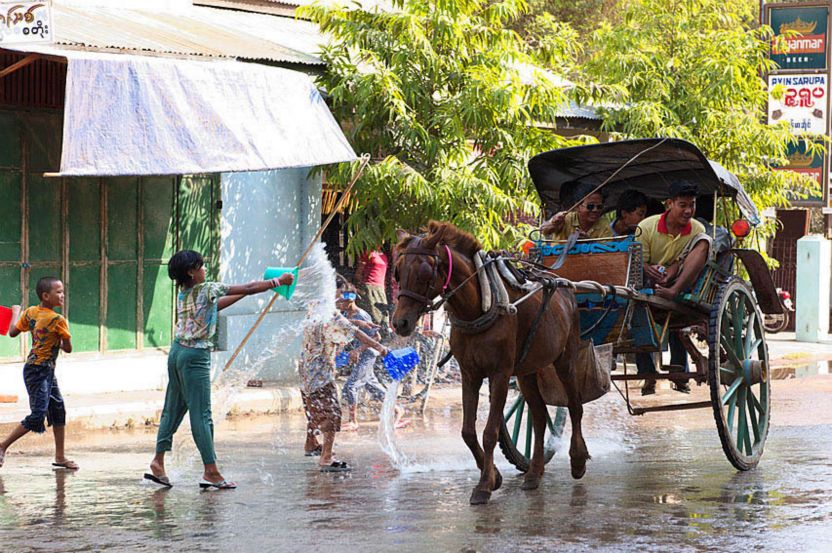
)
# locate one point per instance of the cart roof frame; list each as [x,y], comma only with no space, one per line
[658,162]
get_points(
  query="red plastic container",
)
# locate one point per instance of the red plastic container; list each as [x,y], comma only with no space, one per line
[5,320]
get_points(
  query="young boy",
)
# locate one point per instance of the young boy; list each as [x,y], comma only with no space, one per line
[189,362]
[50,334]
[317,372]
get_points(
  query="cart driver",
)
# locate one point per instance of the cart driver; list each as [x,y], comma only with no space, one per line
[586,219]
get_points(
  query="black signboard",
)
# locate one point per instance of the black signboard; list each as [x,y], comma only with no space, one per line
[806,50]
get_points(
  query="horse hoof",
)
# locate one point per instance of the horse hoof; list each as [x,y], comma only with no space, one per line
[498,480]
[578,470]
[479,497]
[530,483]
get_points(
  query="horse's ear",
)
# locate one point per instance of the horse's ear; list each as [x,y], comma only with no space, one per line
[401,234]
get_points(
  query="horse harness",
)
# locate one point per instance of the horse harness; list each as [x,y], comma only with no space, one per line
[549,284]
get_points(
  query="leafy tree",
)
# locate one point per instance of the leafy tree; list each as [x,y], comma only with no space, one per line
[451,103]
[693,71]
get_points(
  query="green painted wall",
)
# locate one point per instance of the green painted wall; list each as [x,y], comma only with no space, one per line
[108,238]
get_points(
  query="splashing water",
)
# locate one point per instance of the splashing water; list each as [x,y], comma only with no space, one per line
[387,430]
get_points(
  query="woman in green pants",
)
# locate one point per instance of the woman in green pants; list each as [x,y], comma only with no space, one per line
[189,361]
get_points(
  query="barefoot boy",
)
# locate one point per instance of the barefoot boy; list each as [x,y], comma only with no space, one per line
[50,334]
[317,372]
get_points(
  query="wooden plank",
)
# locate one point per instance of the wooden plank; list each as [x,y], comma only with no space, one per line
[122,222]
[121,301]
[31,58]
[44,222]
[158,297]
[606,268]
[84,317]
[10,139]
[10,216]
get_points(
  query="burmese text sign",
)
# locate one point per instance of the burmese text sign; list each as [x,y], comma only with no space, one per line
[801,101]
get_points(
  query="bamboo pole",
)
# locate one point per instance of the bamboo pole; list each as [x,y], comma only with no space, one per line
[364,160]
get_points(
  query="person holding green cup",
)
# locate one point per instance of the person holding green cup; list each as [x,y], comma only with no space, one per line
[189,361]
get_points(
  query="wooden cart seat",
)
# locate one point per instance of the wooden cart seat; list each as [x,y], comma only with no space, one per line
[616,261]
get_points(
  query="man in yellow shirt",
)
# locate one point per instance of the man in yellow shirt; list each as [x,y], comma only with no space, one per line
[586,219]
[675,249]
[674,244]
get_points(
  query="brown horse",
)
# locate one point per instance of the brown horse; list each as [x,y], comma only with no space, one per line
[442,262]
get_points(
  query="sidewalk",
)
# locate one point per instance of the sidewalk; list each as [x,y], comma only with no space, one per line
[788,358]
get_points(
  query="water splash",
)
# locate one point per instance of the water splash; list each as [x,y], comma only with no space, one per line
[387,430]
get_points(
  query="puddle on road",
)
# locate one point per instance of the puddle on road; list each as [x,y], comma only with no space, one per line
[815,368]
[648,488]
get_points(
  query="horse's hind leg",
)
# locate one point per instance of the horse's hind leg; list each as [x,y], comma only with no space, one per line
[490,477]
[537,408]
[565,365]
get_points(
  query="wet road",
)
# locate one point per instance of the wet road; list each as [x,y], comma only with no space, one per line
[655,483]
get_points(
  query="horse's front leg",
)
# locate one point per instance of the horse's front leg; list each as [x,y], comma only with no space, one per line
[578,452]
[470,400]
[490,477]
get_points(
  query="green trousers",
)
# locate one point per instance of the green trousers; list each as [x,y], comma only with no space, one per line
[189,391]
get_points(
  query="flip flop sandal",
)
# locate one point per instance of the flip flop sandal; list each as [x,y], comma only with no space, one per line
[224,485]
[66,465]
[314,453]
[161,480]
[337,466]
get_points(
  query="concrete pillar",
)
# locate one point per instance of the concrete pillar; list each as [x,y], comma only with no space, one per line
[814,263]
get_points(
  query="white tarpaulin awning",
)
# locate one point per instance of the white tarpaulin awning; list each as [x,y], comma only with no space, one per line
[135,115]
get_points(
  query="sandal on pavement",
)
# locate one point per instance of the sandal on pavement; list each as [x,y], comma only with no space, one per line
[314,452]
[223,485]
[161,480]
[336,466]
[67,465]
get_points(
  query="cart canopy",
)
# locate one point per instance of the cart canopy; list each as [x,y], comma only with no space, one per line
[558,175]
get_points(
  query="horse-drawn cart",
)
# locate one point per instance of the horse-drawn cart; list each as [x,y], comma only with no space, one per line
[718,321]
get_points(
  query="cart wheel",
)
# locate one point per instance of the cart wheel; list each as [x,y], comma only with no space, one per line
[516,432]
[739,374]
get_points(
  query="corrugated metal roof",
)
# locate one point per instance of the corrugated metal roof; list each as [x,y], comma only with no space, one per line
[196,32]
[578,111]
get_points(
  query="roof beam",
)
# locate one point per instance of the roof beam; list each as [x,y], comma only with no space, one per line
[31,58]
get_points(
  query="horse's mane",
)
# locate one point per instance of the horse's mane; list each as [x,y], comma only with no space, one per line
[449,234]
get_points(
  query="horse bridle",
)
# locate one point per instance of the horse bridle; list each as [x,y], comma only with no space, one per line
[429,304]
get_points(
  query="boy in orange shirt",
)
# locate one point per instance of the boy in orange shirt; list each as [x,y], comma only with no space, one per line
[50,334]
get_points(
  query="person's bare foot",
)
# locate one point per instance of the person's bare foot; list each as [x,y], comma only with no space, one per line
[212,476]
[65,463]
[403,423]
[158,469]
[351,426]
[666,293]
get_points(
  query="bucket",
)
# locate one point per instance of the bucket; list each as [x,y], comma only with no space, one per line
[342,359]
[399,362]
[5,320]
[276,272]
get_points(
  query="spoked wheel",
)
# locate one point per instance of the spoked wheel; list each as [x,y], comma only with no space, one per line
[517,432]
[739,375]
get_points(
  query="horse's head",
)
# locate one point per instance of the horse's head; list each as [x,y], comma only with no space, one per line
[423,270]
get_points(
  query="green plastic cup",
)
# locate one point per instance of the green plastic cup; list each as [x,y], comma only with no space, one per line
[276,272]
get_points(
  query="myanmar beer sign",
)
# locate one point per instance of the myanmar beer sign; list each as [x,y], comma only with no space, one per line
[806,47]
[800,100]
[809,163]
